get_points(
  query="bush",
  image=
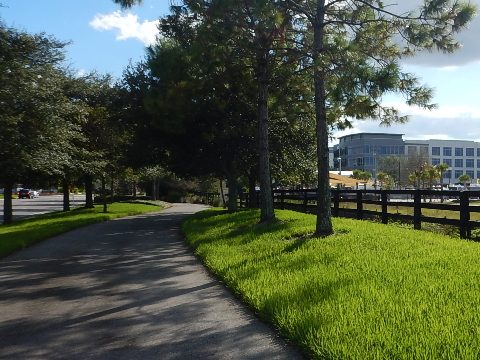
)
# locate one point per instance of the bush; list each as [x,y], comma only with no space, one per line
[174,196]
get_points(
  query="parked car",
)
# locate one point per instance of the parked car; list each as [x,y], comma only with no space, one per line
[26,194]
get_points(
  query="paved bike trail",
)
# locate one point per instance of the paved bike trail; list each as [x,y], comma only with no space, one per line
[125,289]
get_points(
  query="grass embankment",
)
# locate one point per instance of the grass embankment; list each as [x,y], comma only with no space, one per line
[370,291]
[23,233]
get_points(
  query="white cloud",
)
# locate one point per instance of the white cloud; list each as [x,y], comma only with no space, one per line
[444,123]
[442,112]
[127,25]
[468,38]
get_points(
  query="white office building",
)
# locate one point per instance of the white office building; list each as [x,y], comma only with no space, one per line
[355,152]
[462,156]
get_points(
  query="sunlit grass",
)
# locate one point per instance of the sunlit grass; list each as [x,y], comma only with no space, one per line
[26,232]
[370,291]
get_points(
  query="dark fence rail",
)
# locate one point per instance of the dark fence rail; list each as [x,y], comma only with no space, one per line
[354,203]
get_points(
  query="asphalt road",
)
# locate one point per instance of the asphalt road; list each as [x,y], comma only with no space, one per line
[23,208]
[125,289]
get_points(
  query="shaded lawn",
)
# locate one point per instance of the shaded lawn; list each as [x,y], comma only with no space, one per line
[370,291]
[23,233]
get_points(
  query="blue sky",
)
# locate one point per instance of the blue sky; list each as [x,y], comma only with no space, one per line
[74,20]
[104,38]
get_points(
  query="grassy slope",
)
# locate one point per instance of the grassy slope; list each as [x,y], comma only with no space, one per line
[369,292]
[24,233]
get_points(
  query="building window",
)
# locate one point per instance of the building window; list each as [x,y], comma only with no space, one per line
[470,173]
[412,150]
[478,151]
[435,161]
[478,163]
[436,151]
[447,174]
[424,150]
[447,151]
[458,151]
[448,162]
[470,152]
[458,173]
[458,162]
[469,163]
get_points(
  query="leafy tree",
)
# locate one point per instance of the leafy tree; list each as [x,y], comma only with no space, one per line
[441,168]
[355,54]
[432,175]
[35,134]
[395,167]
[361,175]
[464,179]
[386,181]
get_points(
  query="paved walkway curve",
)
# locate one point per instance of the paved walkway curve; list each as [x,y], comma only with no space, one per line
[124,289]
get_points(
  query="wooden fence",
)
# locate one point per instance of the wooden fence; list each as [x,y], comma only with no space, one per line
[351,203]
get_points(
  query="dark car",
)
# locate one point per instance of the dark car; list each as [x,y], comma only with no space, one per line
[25,194]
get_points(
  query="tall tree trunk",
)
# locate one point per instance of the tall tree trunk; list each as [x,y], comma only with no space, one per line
[104,195]
[222,193]
[66,193]
[134,190]
[112,192]
[324,222]
[266,201]
[7,203]
[154,189]
[252,196]
[89,191]
[232,192]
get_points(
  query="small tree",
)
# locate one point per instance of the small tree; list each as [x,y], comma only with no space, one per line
[464,179]
[386,181]
[361,175]
[432,175]
[441,168]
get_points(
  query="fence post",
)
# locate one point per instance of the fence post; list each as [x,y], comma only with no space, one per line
[282,199]
[465,232]
[417,210]
[336,202]
[359,205]
[305,201]
[384,197]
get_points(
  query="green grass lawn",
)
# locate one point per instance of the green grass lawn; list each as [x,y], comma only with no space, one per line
[26,232]
[370,291]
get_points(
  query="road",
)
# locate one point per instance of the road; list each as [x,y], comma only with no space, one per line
[23,208]
[125,289]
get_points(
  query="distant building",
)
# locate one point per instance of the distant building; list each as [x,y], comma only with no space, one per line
[362,151]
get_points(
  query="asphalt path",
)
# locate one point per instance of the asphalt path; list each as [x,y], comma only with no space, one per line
[125,289]
[23,208]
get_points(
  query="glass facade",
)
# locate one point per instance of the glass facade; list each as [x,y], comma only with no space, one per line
[470,173]
[365,152]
